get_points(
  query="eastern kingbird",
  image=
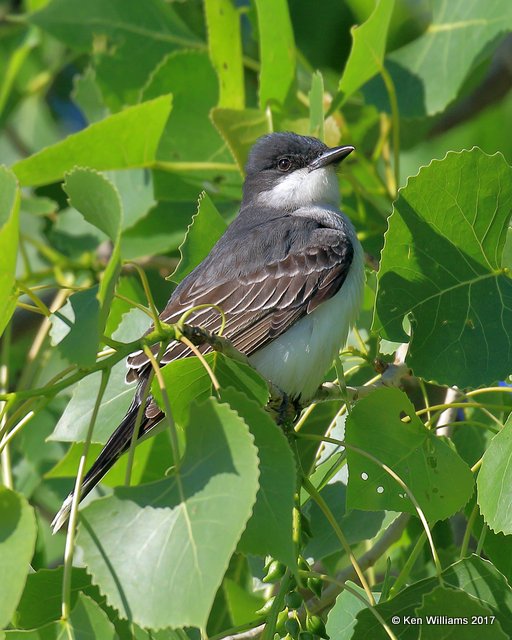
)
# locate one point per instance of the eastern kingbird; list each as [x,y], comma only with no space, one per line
[288,274]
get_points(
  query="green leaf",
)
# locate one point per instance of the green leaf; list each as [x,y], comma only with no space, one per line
[87,621]
[455,604]
[87,96]
[42,596]
[495,498]
[135,188]
[477,577]
[117,32]
[76,328]
[438,478]
[97,200]
[269,530]
[368,49]
[192,102]
[160,231]
[240,130]
[152,460]
[441,264]
[277,51]
[9,216]
[429,71]
[186,530]
[225,46]
[73,424]
[316,106]
[206,228]
[356,525]
[132,135]
[186,379]
[17,542]
[342,617]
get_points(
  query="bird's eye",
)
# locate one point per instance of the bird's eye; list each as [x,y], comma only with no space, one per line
[284,164]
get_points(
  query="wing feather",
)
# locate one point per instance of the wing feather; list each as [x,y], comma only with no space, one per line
[261,304]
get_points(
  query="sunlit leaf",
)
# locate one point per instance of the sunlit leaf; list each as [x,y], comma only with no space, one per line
[178,534]
[495,497]
[438,478]
[17,541]
[206,228]
[277,51]
[269,530]
[9,212]
[133,136]
[225,45]
[368,48]
[441,265]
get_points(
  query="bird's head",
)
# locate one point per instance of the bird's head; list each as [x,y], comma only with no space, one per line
[287,171]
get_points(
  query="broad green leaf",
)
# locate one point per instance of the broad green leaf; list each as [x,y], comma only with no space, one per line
[117,32]
[206,228]
[42,597]
[192,102]
[99,202]
[441,265]
[9,213]
[356,525]
[477,577]
[242,605]
[124,320]
[442,603]
[277,51]
[75,328]
[429,71]
[342,617]
[368,49]
[438,478]
[187,379]
[121,141]
[269,530]
[225,46]
[153,457]
[240,130]
[178,534]
[160,231]
[73,424]
[87,96]
[17,542]
[316,106]
[135,188]
[494,482]
[87,621]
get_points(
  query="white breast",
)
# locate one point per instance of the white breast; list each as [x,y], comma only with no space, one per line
[297,360]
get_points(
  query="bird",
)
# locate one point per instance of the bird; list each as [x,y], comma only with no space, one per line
[288,273]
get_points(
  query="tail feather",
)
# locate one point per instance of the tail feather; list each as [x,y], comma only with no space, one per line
[117,444]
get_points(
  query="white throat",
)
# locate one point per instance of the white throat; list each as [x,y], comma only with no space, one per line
[304,188]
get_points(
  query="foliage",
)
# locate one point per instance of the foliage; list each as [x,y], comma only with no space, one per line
[125,127]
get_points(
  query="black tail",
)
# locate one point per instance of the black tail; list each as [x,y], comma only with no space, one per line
[117,444]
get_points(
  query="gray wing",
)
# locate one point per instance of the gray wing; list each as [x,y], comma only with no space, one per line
[262,303]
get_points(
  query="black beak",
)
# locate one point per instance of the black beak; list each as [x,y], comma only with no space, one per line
[331,156]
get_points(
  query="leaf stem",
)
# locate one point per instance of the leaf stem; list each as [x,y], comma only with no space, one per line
[310,488]
[406,569]
[73,515]
[467,533]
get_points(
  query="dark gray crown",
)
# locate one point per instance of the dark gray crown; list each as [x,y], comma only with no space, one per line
[269,148]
